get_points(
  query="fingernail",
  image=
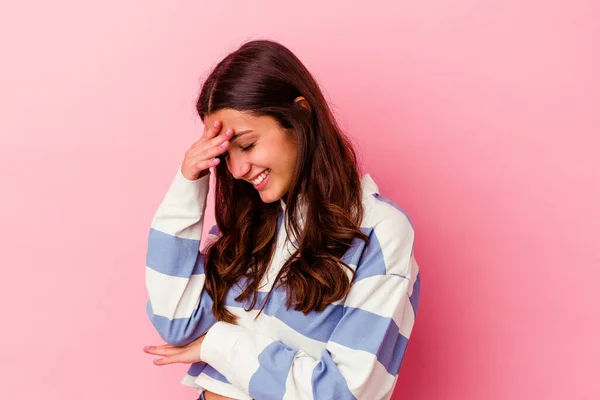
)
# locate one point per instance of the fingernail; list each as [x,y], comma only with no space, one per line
[223,144]
[215,160]
[228,132]
[146,347]
[216,124]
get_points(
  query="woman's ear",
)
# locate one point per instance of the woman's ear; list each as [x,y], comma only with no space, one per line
[302,101]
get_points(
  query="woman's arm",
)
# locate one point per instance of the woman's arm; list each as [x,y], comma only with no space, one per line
[363,354]
[178,306]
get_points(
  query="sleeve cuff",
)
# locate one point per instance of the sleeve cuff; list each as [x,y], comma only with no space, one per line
[236,353]
[186,194]
[180,175]
[219,343]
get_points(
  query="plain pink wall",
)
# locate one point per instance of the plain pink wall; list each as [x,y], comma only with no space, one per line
[480,118]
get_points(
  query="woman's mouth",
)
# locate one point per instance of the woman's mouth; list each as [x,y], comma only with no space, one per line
[262,180]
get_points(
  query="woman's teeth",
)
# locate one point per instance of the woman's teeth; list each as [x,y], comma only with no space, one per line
[261,177]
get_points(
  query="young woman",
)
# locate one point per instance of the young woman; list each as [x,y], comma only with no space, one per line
[308,287]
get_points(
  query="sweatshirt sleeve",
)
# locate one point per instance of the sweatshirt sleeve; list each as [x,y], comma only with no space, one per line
[178,306]
[363,354]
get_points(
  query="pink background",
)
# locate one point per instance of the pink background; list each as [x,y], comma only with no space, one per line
[480,118]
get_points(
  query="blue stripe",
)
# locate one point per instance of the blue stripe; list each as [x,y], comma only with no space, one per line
[215,230]
[268,382]
[315,325]
[183,331]
[371,261]
[353,254]
[279,221]
[279,227]
[392,352]
[363,330]
[391,203]
[414,297]
[328,382]
[174,256]
[196,369]
[236,290]
[213,373]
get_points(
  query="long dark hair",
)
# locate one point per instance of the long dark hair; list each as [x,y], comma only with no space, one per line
[263,77]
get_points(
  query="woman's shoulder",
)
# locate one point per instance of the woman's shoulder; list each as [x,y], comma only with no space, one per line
[380,210]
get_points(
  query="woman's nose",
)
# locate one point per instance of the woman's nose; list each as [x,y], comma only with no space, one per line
[238,168]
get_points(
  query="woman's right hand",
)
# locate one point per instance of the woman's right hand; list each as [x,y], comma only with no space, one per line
[202,155]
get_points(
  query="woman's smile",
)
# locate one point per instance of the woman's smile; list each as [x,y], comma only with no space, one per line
[262,180]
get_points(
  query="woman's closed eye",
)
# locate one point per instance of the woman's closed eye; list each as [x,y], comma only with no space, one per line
[243,148]
[248,147]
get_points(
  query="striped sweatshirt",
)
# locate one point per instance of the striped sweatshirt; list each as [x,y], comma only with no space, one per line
[351,350]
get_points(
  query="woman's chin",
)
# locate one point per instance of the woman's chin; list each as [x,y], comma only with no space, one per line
[269,195]
[268,198]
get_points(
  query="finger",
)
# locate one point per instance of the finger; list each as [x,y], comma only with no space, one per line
[173,360]
[210,148]
[165,361]
[213,130]
[213,152]
[217,140]
[206,141]
[165,350]
[206,164]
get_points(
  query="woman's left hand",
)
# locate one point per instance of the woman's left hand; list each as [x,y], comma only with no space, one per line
[176,354]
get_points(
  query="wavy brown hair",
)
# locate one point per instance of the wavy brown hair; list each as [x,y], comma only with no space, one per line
[263,77]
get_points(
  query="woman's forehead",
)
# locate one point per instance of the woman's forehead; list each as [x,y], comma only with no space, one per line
[240,120]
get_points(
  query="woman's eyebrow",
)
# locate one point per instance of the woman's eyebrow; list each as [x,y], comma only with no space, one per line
[238,134]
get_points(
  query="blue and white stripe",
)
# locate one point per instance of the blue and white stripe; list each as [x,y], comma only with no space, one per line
[352,350]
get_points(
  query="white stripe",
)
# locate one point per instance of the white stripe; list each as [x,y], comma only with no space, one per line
[298,384]
[178,222]
[396,238]
[188,380]
[414,271]
[173,296]
[366,377]
[391,392]
[406,320]
[245,318]
[277,330]
[378,294]
[394,232]
[181,212]
[241,359]
[386,296]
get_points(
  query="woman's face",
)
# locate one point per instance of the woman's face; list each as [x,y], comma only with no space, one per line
[260,152]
